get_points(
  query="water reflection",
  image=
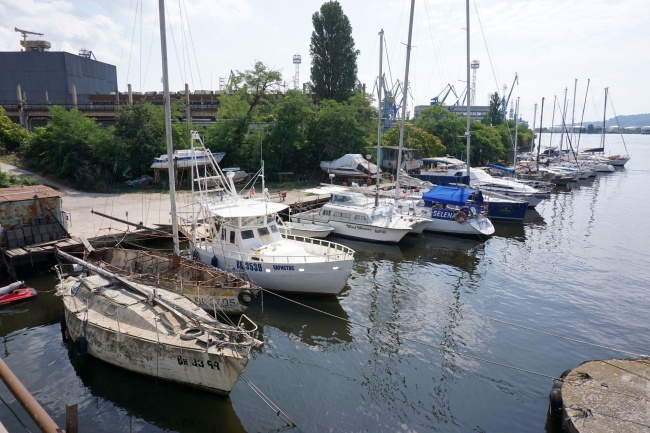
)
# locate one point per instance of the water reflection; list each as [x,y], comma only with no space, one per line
[317,322]
[164,404]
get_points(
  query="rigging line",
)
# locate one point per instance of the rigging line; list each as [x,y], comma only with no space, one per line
[611,102]
[171,29]
[140,48]
[582,117]
[189,29]
[186,52]
[487,46]
[126,29]
[645,361]
[263,396]
[153,33]
[135,17]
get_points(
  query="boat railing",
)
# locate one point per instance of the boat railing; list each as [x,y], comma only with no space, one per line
[334,250]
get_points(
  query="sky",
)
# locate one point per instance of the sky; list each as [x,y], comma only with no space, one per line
[554,47]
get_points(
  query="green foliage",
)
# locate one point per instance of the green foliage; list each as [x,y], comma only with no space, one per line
[64,148]
[494,116]
[8,180]
[140,136]
[507,131]
[447,126]
[11,135]
[287,137]
[334,131]
[485,145]
[334,58]
[415,138]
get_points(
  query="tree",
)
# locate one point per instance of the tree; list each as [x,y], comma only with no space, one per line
[11,134]
[494,116]
[447,126]
[485,144]
[333,132]
[64,148]
[334,58]
[415,138]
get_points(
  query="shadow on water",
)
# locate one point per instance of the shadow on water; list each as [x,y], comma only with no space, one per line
[164,404]
[317,322]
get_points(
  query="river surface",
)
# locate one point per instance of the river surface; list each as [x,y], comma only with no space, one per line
[412,344]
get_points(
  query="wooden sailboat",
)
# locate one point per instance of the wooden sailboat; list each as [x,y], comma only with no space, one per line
[145,328]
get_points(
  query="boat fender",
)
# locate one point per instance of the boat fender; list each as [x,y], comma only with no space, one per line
[246,297]
[555,396]
[215,261]
[191,333]
[81,346]
[460,217]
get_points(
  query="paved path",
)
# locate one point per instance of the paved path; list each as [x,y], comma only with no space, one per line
[149,208]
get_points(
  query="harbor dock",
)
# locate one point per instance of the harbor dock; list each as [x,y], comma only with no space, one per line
[607,396]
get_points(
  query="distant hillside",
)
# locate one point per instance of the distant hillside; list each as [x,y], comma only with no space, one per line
[625,121]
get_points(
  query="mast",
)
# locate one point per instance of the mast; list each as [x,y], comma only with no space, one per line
[541,128]
[467,134]
[406,85]
[514,164]
[168,128]
[602,136]
[381,83]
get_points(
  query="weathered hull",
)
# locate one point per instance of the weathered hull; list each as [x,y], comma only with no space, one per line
[129,332]
[208,287]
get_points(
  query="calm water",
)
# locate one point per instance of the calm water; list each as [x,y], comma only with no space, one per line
[397,359]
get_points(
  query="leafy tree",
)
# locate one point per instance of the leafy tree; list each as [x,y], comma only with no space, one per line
[415,138]
[140,131]
[485,144]
[507,131]
[334,58]
[11,134]
[253,101]
[64,147]
[494,116]
[448,127]
[333,132]
[288,137]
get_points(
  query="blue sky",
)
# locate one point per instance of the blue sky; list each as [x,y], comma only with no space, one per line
[549,43]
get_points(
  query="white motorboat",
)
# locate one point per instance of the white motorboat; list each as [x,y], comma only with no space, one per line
[151,331]
[308,229]
[241,235]
[479,178]
[184,158]
[450,210]
[350,166]
[354,215]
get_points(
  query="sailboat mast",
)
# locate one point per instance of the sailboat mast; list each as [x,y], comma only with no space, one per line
[541,129]
[467,94]
[602,137]
[168,128]
[514,159]
[379,117]
[404,99]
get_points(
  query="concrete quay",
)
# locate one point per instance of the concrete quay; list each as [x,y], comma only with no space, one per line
[607,396]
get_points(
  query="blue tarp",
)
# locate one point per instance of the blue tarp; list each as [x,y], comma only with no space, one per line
[447,195]
[509,170]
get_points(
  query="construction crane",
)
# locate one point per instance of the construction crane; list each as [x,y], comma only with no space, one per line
[436,99]
[504,101]
[33,45]
[27,32]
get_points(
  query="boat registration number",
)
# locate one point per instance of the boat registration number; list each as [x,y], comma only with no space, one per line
[248,266]
[214,365]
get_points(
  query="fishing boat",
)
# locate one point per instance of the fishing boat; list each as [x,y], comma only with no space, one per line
[239,233]
[15,293]
[151,331]
[212,289]
[184,158]
[307,229]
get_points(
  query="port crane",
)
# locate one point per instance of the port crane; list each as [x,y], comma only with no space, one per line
[436,99]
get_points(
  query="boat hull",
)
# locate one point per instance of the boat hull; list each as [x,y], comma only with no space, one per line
[311,275]
[127,331]
[443,221]
[507,211]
